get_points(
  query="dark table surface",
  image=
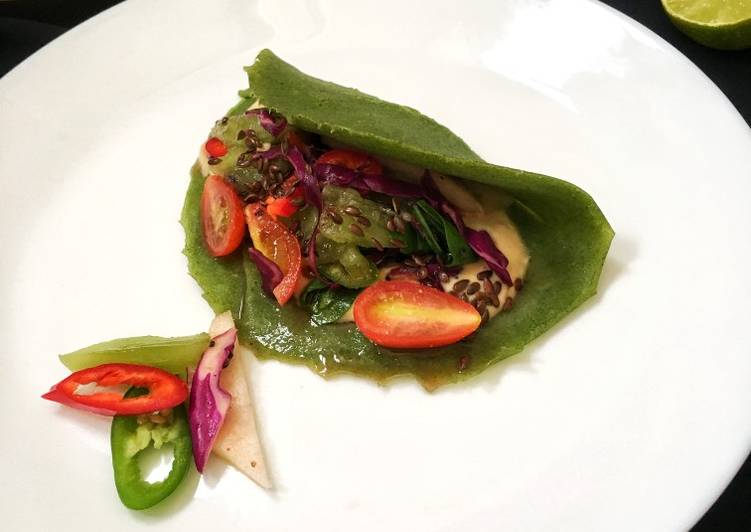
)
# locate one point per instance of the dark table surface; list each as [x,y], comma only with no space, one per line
[27,25]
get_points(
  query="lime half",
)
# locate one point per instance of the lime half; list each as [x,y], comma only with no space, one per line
[723,24]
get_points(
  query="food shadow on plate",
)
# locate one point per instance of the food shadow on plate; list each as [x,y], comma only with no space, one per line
[622,252]
[175,503]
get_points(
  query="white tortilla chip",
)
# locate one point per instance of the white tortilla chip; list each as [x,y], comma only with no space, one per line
[238,442]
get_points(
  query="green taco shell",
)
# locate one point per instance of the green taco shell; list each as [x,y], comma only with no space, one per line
[565,232]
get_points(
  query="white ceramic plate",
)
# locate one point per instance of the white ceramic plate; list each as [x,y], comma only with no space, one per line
[631,415]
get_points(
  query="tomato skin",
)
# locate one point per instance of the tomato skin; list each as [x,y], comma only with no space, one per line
[221,217]
[409,315]
[165,390]
[215,147]
[352,160]
[277,244]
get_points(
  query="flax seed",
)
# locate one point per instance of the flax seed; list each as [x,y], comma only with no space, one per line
[485,274]
[508,304]
[460,286]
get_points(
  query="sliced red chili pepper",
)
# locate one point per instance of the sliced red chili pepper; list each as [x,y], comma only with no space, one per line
[287,205]
[164,390]
[216,147]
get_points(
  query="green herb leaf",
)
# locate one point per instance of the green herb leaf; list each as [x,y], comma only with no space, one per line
[327,305]
[441,235]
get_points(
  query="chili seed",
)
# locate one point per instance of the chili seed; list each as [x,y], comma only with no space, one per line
[460,286]
[390,225]
[484,274]
[418,260]
[474,287]
[407,217]
[356,229]
[443,277]
[508,304]
[497,286]
[463,362]
[352,210]
[363,221]
[335,216]
[214,160]
[422,273]
[397,243]
[396,207]
[519,284]
[157,419]
[377,244]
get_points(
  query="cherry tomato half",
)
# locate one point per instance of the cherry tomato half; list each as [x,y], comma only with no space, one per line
[221,216]
[409,315]
[353,160]
[277,244]
[287,205]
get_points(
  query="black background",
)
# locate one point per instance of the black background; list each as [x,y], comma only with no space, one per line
[27,25]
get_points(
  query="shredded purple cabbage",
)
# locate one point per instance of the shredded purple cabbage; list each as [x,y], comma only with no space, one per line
[482,244]
[344,177]
[331,174]
[391,187]
[312,192]
[271,275]
[208,402]
[273,123]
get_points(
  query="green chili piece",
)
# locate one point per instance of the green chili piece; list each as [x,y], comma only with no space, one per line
[170,354]
[129,437]
[344,264]
[349,218]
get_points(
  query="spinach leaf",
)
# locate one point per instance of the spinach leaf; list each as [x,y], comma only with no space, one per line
[327,304]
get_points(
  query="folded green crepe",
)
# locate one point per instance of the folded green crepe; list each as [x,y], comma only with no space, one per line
[565,232]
